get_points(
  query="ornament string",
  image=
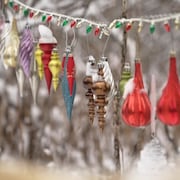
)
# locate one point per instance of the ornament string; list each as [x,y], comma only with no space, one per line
[105,46]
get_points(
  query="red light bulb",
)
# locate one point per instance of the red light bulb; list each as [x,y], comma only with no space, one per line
[16,8]
[31,14]
[97,31]
[128,26]
[73,24]
[49,18]
[167,27]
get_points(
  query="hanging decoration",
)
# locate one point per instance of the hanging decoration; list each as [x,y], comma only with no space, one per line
[101,89]
[68,80]
[46,42]
[55,68]
[125,76]
[26,50]
[11,46]
[34,82]
[168,106]
[91,70]
[38,57]
[20,80]
[136,108]
[108,77]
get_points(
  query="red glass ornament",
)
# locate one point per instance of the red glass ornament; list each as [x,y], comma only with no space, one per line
[97,31]
[168,106]
[46,57]
[49,18]
[128,26]
[71,71]
[73,24]
[167,27]
[136,109]
[31,14]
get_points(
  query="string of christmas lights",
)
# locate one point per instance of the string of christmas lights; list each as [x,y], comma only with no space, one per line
[103,28]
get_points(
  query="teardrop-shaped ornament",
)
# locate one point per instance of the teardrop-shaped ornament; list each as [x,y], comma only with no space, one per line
[136,108]
[168,106]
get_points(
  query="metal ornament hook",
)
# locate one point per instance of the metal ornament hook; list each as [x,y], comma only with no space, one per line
[70,47]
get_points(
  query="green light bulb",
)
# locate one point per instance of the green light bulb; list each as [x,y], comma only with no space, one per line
[26,12]
[88,29]
[152,28]
[11,3]
[118,24]
[43,18]
[65,22]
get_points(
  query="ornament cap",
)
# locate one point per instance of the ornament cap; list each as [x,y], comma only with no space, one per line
[172,53]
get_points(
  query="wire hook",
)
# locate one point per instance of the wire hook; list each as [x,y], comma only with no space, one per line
[73,42]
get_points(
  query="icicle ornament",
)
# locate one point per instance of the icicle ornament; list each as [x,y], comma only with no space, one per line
[26,50]
[34,82]
[136,108]
[168,106]
[68,80]
[152,159]
[108,77]
[46,42]
[88,83]
[38,56]
[11,46]
[55,68]
[101,89]
[20,80]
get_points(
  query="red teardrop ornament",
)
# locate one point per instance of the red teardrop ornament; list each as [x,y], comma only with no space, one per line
[46,57]
[71,73]
[168,106]
[136,109]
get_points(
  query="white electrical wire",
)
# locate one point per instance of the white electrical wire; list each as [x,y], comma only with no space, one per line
[81,20]
[147,19]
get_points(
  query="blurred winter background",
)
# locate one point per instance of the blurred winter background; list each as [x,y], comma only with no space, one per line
[42,133]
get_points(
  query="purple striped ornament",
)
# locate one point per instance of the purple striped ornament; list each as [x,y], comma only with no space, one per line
[26,50]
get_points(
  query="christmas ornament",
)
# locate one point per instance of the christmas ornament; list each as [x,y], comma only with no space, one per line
[20,80]
[38,57]
[108,77]
[46,42]
[55,68]
[153,159]
[26,50]
[11,46]
[101,89]
[88,82]
[34,82]
[168,106]
[136,108]
[68,80]
[125,76]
